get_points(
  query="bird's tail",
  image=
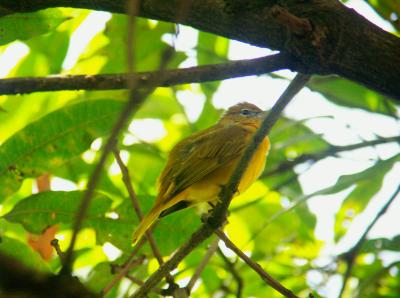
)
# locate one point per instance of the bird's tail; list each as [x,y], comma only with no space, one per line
[146,223]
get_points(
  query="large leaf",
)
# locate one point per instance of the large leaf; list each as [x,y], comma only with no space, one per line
[23,253]
[26,25]
[44,209]
[159,105]
[170,231]
[211,49]
[148,39]
[379,244]
[290,139]
[367,184]
[349,94]
[52,140]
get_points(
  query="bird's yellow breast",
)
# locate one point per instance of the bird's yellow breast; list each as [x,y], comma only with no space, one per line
[255,167]
[207,189]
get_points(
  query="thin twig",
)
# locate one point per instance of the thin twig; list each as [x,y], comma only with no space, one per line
[58,250]
[363,285]
[256,267]
[210,252]
[126,178]
[124,269]
[197,74]
[236,276]
[135,100]
[331,151]
[351,255]
[207,229]
[140,283]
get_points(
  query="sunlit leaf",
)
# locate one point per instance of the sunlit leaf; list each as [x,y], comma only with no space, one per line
[349,94]
[45,209]
[26,25]
[379,244]
[366,184]
[159,106]
[52,140]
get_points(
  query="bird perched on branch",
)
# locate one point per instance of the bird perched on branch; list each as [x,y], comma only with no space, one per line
[200,164]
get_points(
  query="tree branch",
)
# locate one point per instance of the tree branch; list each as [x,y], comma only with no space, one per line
[218,215]
[136,98]
[235,274]
[351,255]
[210,252]
[199,74]
[331,151]
[126,178]
[340,41]
[256,267]
[17,280]
[123,271]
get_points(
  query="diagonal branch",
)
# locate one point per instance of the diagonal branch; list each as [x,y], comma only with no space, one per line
[331,151]
[351,255]
[136,98]
[126,178]
[256,267]
[210,252]
[198,74]
[219,213]
[236,276]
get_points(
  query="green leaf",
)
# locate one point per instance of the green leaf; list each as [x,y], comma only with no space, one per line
[346,93]
[148,36]
[44,209]
[78,170]
[144,159]
[43,60]
[381,167]
[159,106]
[389,10]
[379,244]
[99,277]
[211,48]
[290,139]
[170,232]
[53,140]
[23,253]
[26,25]
[366,184]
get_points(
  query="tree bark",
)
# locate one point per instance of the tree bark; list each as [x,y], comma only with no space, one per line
[324,36]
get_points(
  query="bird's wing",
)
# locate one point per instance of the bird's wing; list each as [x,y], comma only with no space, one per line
[199,155]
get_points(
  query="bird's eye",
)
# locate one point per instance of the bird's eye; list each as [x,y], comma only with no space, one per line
[245,112]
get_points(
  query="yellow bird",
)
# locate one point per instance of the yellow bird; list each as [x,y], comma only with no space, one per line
[198,165]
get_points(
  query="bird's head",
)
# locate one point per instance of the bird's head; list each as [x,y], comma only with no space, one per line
[245,114]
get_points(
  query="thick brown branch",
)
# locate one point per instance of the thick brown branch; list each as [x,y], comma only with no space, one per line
[197,74]
[17,280]
[340,41]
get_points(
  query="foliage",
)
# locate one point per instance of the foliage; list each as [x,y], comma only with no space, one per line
[62,133]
